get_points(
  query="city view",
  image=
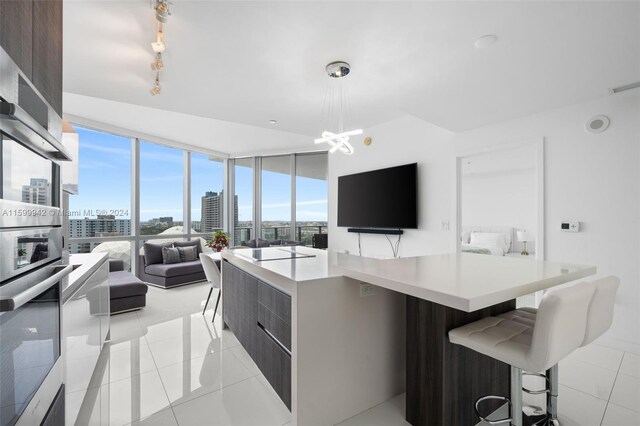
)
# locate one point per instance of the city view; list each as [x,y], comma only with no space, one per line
[161,195]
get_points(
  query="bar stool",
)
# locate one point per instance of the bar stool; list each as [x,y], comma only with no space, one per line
[531,341]
[599,320]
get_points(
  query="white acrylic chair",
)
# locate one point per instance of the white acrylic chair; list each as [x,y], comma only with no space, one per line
[212,272]
[536,340]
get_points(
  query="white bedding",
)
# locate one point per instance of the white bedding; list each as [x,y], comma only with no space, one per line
[495,251]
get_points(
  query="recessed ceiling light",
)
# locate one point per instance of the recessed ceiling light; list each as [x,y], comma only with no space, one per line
[485,41]
[273,122]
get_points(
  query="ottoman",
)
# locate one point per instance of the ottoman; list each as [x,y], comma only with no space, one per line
[127,292]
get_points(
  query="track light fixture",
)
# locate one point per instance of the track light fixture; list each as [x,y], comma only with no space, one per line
[157,65]
[155,90]
[162,10]
[159,46]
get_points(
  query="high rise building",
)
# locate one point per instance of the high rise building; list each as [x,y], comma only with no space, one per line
[37,192]
[101,226]
[212,211]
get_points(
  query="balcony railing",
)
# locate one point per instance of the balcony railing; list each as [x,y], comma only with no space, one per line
[303,233]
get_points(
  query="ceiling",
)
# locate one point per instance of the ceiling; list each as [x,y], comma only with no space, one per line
[249,62]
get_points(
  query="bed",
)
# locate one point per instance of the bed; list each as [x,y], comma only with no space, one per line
[490,240]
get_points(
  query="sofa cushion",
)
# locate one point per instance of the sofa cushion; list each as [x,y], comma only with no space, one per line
[153,252]
[195,243]
[170,255]
[125,284]
[188,254]
[174,269]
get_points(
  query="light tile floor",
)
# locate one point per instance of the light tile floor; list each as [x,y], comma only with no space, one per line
[169,365]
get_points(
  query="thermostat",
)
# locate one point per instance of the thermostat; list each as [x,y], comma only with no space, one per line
[570,226]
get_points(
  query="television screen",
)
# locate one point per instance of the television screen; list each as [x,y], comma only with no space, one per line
[385,198]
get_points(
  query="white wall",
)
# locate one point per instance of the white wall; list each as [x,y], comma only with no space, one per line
[592,178]
[401,141]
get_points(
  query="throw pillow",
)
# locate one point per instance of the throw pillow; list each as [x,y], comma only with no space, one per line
[188,254]
[192,243]
[170,255]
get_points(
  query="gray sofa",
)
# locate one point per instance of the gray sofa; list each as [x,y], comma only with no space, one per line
[127,292]
[151,269]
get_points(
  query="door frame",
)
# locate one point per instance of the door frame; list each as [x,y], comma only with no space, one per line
[538,144]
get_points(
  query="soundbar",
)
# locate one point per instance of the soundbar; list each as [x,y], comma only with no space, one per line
[379,231]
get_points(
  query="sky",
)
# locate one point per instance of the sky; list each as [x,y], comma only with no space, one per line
[105,175]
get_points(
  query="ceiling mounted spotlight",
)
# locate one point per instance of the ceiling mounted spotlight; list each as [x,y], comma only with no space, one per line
[157,65]
[338,69]
[155,90]
[162,10]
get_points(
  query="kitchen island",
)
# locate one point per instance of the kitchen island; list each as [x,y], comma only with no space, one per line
[336,334]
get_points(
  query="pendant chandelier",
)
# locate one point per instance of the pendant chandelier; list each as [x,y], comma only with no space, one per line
[336,110]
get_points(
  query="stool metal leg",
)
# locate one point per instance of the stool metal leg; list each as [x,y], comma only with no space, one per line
[552,396]
[516,396]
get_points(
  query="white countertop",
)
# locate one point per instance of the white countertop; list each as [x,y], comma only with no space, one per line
[463,281]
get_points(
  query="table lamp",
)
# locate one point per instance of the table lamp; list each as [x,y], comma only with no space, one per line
[524,236]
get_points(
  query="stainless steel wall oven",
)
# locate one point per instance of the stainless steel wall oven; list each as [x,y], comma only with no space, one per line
[33,273]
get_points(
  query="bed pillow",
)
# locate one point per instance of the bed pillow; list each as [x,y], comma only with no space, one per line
[489,239]
[170,255]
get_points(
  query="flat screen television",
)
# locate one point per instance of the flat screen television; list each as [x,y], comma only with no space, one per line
[385,198]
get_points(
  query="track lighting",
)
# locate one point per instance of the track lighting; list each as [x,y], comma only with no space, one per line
[159,46]
[162,10]
[155,90]
[157,65]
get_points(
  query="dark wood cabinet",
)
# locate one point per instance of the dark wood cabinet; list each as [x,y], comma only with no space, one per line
[47,51]
[16,33]
[240,306]
[260,317]
[275,363]
[31,34]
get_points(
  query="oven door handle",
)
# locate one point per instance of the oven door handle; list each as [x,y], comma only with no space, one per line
[12,303]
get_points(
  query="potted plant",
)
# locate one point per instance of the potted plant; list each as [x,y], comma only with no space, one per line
[22,252]
[220,241]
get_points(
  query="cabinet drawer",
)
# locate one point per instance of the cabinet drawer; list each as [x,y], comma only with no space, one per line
[275,325]
[275,364]
[275,301]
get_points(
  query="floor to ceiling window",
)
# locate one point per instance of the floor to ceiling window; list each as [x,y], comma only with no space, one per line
[243,211]
[161,202]
[207,194]
[101,215]
[102,209]
[276,198]
[311,198]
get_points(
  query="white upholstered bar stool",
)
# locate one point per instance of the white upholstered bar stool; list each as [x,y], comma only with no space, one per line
[212,273]
[599,319]
[530,344]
